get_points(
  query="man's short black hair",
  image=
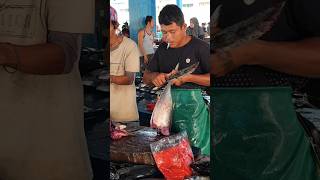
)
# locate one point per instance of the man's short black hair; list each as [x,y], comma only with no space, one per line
[148,19]
[171,14]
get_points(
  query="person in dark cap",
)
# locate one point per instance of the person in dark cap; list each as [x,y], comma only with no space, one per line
[124,63]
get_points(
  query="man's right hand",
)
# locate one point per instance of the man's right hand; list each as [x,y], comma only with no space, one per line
[160,79]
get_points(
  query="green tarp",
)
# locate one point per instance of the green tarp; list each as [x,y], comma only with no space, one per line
[191,113]
[257,136]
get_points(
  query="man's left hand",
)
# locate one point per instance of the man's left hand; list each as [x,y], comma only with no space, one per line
[180,80]
[223,62]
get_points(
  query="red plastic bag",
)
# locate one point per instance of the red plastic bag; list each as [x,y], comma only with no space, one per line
[173,156]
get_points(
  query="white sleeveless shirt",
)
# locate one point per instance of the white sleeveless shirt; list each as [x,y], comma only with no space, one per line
[148,42]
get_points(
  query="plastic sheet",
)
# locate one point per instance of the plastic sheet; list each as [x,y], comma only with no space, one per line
[191,114]
[173,156]
[257,136]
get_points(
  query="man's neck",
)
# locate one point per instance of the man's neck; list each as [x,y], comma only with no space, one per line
[148,29]
[185,41]
[113,38]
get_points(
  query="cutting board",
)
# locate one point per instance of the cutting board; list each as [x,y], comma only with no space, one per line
[136,148]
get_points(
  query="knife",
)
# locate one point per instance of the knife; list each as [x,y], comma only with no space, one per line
[185,71]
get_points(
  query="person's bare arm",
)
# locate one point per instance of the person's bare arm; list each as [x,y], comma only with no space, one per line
[148,76]
[200,79]
[154,78]
[54,57]
[159,79]
[297,58]
[37,59]
[140,42]
[126,79]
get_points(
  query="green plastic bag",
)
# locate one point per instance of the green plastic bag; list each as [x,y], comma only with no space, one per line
[257,136]
[191,113]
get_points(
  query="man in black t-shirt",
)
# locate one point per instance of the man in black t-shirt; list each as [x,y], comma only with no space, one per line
[182,49]
[292,46]
[190,112]
[193,51]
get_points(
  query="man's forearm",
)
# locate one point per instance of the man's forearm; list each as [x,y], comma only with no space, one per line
[200,79]
[123,80]
[41,59]
[149,76]
[298,58]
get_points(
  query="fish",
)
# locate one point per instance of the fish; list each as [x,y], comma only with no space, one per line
[247,30]
[117,133]
[161,117]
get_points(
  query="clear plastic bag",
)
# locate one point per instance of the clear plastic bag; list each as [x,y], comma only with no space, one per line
[161,117]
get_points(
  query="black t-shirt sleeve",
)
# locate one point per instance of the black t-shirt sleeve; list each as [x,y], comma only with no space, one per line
[153,64]
[306,14]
